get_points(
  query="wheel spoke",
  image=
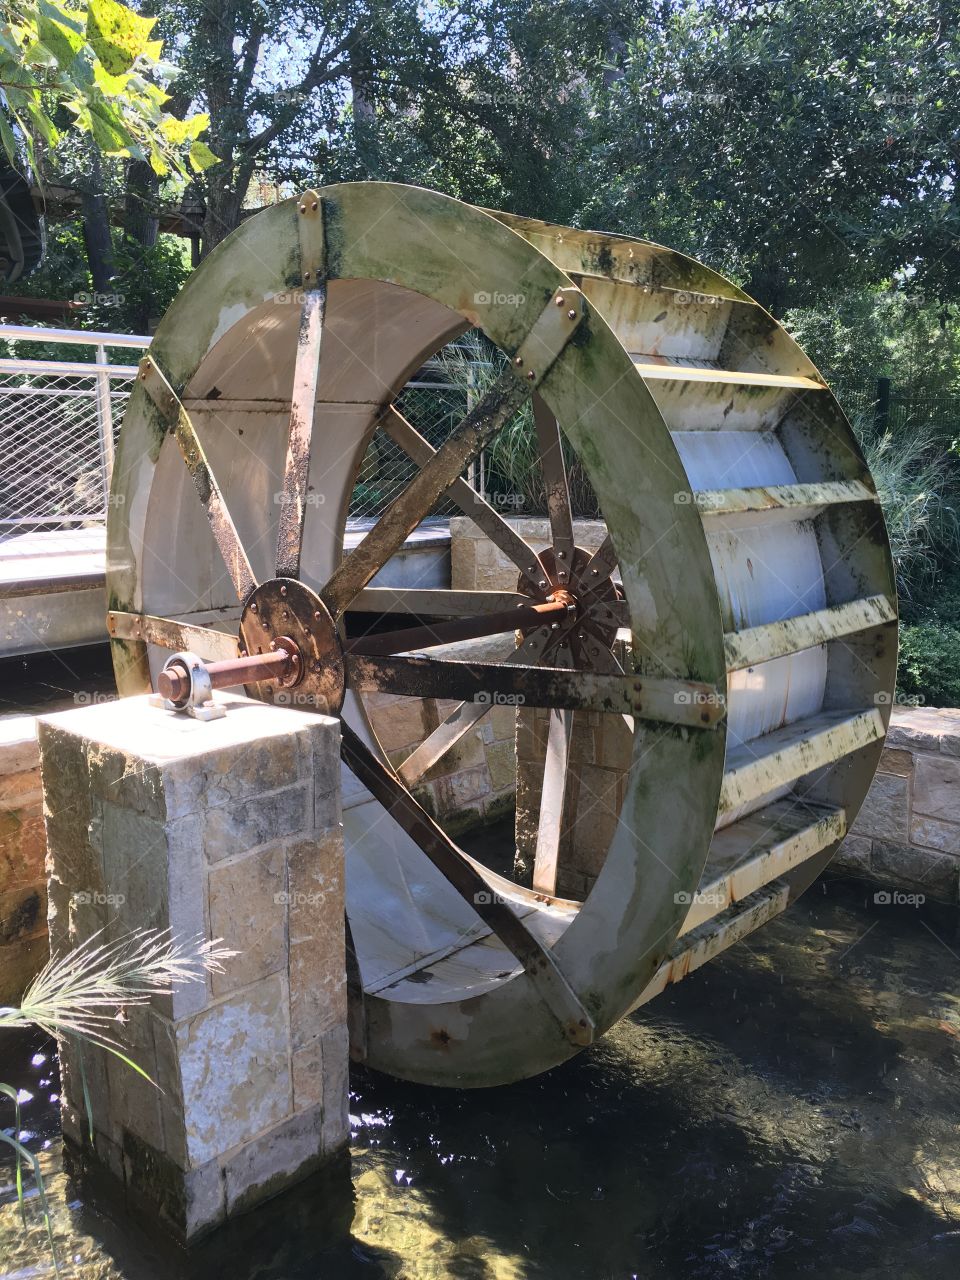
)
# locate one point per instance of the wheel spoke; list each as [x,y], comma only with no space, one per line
[500,533]
[168,633]
[682,702]
[437,602]
[303,402]
[556,486]
[600,565]
[224,530]
[426,488]
[462,874]
[553,791]
[456,630]
[461,719]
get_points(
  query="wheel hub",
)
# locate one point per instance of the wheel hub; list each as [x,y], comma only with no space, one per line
[592,625]
[284,613]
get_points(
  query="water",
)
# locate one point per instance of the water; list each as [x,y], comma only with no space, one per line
[789,1111]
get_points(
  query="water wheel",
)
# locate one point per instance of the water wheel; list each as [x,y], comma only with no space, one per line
[738,619]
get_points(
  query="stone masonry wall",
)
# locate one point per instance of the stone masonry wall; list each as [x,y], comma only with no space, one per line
[907,835]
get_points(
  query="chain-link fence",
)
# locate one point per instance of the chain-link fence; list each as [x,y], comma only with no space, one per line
[57,433]
[434,408]
[58,425]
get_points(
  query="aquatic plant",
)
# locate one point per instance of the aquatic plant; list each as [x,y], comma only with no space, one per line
[81,996]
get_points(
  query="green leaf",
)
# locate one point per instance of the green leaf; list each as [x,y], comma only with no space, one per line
[117,35]
[201,157]
[63,39]
[24,1152]
[179,131]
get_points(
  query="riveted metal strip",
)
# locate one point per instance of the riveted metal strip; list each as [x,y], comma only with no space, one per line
[310,227]
[552,330]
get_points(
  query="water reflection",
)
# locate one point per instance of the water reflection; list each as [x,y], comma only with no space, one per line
[792,1110]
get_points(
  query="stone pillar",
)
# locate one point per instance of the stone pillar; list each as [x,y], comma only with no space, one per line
[224,829]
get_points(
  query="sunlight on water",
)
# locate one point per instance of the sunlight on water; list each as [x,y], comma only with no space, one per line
[790,1110]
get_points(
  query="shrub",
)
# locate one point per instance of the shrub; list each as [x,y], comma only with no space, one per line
[928,670]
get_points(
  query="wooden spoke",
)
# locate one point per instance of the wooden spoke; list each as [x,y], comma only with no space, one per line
[456,630]
[553,792]
[430,484]
[683,702]
[303,401]
[440,603]
[462,874]
[168,633]
[555,484]
[462,719]
[224,530]
[600,565]
[468,500]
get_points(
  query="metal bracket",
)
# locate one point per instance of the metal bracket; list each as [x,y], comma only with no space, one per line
[551,331]
[199,703]
[313,250]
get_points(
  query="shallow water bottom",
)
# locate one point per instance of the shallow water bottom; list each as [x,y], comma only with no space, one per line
[791,1110]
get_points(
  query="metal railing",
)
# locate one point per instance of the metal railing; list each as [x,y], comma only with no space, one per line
[58,426]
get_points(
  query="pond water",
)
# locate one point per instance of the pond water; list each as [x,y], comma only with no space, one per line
[791,1110]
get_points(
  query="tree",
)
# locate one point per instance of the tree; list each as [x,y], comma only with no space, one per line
[467,97]
[800,146]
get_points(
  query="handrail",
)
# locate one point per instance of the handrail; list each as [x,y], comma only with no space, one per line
[79,337]
[65,368]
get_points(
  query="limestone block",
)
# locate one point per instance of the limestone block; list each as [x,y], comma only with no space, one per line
[896,761]
[853,855]
[931,833]
[885,812]
[274,1160]
[190,1201]
[402,724]
[247,906]
[336,1087]
[502,765]
[457,790]
[935,874]
[212,831]
[236,828]
[936,787]
[318,993]
[234,1069]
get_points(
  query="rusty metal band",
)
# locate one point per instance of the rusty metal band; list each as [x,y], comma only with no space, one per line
[167,633]
[681,702]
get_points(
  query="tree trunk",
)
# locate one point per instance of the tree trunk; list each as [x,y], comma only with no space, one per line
[140,221]
[224,203]
[96,226]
